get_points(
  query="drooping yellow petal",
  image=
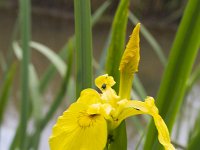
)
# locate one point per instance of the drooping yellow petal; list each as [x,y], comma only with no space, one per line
[163,133]
[148,107]
[94,109]
[129,63]
[78,130]
[89,96]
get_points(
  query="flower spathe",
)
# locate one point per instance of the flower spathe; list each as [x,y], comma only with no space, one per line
[86,124]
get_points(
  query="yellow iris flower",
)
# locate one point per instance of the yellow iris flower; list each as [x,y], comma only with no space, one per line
[87,123]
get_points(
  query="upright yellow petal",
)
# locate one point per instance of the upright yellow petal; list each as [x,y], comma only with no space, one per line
[78,130]
[131,57]
[129,63]
[105,83]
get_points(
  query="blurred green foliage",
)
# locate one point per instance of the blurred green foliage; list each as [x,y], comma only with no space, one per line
[33,87]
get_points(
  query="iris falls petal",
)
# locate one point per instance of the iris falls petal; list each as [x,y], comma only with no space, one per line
[78,130]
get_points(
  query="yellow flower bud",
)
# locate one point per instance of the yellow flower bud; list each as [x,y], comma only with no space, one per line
[131,57]
[129,63]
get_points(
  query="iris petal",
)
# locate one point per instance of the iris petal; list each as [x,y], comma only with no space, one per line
[148,107]
[89,96]
[104,81]
[129,63]
[131,57]
[77,130]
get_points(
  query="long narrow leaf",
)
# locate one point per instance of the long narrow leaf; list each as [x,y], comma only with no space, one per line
[194,143]
[51,70]
[53,57]
[33,84]
[15,33]
[83,36]
[25,31]
[195,76]
[63,52]
[193,140]
[34,139]
[116,46]
[35,94]
[182,56]
[16,140]
[63,91]
[3,64]
[5,89]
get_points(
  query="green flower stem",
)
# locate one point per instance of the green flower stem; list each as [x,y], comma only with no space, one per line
[115,51]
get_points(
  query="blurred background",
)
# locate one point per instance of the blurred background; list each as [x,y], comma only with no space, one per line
[52,24]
